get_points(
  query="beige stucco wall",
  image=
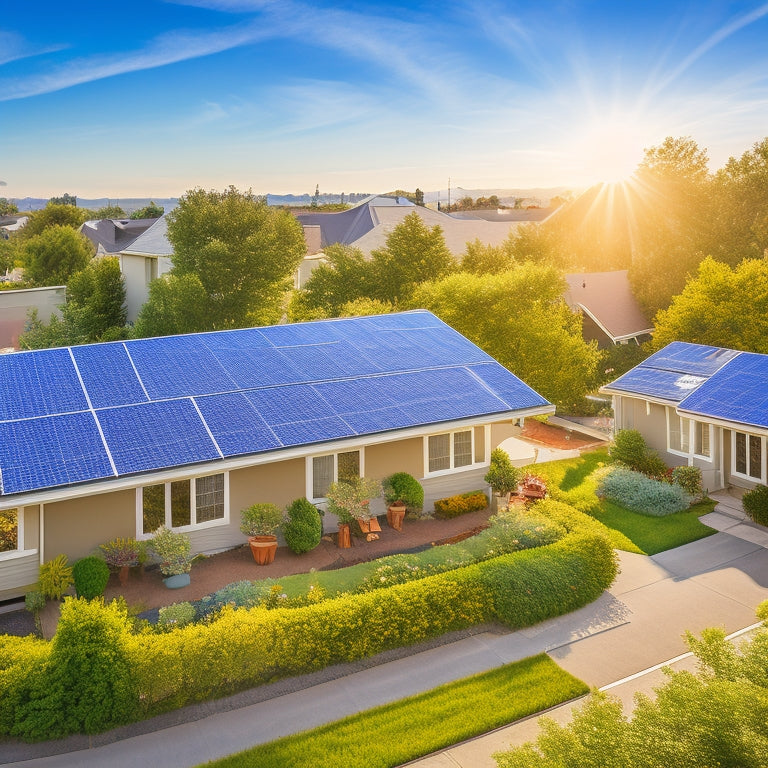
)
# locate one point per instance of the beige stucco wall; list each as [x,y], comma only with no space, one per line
[401,456]
[501,431]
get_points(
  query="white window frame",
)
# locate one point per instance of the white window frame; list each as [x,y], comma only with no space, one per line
[682,421]
[194,525]
[19,551]
[762,479]
[309,471]
[452,469]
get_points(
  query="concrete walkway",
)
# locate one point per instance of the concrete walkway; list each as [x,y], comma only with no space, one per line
[717,581]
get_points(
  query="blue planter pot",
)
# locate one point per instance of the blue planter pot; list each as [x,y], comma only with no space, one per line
[177,581]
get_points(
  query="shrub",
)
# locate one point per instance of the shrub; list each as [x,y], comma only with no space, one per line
[304,527]
[502,476]
[689,479]
[261,519]
[240,594]
[513,529]
[406,488]
[349,499]
[453,506]
[629,448]
[121,551]
[756,504]
[177,615]
[173,549]
[642,494]
[91,575]
[34,602]
[55,577]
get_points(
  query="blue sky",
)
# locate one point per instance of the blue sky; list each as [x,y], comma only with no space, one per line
[153,98]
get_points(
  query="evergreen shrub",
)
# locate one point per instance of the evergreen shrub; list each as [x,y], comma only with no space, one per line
[177,615]
[304,527]
[756,504]
[406,488]
[639,493]
[689,479]
[453,506]
[91,575]
[629,448]
[55,577]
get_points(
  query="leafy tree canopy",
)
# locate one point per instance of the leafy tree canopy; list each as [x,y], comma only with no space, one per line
[52,215]
[7,208]
[176,304]
[65,199]
[722,306]
[150,211]
[520,318]
[54,255]
[110,212]
[481,259]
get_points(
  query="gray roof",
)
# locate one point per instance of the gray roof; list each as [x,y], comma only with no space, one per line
[506,214]
[115,235]
[153,242]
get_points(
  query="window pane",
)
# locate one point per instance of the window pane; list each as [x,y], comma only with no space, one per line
[702,439]
[674,431]
[154,507]
[741,453]
[9,530]
[349,466]
[755,456]
[685,435]
[322,475]
[209,498]
[479,444]
[462,449]
[181,513]
[439,448]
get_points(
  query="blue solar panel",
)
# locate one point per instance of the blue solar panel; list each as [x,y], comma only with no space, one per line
[243,338]
[738,392]
[41,383]
[696,359]
[258,367]
[51,451]
[108,375]
[280,405]
[379,420]
[319,332]
[317,431]
[156,435]
[178,366]
[235,424]
[652,382]
[514,392]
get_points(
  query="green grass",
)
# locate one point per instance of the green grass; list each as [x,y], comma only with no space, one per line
[393,734]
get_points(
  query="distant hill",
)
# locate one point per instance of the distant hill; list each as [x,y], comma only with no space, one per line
[506,196]
[128,204]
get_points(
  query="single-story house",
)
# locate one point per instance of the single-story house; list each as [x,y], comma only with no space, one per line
[115,439]
[701,406]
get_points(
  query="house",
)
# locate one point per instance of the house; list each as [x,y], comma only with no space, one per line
[15,307]
[115,439]
[110,236]
[610,312]
[701,406]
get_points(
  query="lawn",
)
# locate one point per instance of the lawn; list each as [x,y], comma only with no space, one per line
[404,730]
[572,481]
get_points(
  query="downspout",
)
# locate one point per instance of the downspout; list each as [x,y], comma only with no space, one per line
[41,534]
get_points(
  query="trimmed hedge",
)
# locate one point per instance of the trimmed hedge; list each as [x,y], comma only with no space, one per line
[103,674]
[91,575]
[453,506]
[640,493]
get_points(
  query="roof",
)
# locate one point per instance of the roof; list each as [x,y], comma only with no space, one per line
[368,224]
[95,412]
[705,382]
[153,242]
[114,235]
[608,299]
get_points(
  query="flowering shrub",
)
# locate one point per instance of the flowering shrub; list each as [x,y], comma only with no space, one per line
[689,479]
[642,494]
[173,549]
[399,569]
[55,577]
[121,551]
[513,530]
[349,499]
[261,519]
[453,506]
[177,615]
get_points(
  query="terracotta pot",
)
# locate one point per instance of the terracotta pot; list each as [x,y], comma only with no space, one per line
[123,574]
[344,540]
[263,548]
[395,516]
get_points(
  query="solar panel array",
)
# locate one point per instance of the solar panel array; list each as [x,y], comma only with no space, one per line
[106,410]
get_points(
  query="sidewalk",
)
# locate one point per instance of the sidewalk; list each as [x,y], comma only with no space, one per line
[717,581]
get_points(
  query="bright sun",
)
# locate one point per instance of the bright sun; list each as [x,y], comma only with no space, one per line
[611,148]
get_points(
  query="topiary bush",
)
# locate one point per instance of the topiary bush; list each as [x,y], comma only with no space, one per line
[406,488]
[55,577]
[453,506]
[642,494]
[756,504]
[502,476]
[304,527]
[91,575]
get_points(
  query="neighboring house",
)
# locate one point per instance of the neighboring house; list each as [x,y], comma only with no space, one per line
[12,224]
[702,406]
[15,306]
[110,236]
[611,314]
[115,439]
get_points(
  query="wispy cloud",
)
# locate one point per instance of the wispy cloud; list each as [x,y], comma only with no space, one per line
[14,47]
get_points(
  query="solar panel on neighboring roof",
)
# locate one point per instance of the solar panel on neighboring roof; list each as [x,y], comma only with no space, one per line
[180,400]
[696,359]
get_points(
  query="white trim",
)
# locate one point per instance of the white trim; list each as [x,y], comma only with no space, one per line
[451,439]
[309,471]
[15,554]
[690,454]
[224,465]
[763,446]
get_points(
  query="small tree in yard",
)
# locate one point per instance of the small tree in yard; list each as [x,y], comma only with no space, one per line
[502,476]
[304,528]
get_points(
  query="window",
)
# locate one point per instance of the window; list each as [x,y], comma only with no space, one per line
[688,437]
[10,534]
[201,501]
[702,439]
[150,269]
[330,468]
[748,456]
[679,432]
[451,450]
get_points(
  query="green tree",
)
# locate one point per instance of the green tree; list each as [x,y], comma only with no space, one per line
[520,318]
[51,257]
[482,259]
[112,212]
[150,211]
[537,243]
[176,304]
[8,254]
[722,306]
[7,208]
[365,306]
[52,215]
[413,253]
[65,199]
[94,310]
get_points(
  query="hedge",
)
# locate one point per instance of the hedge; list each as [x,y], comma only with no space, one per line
[129,676]
[453,506]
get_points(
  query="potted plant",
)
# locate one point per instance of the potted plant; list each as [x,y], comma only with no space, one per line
[502,476]
[259,523]
[121,554]
[174,552]
[350,500]
[402,492]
